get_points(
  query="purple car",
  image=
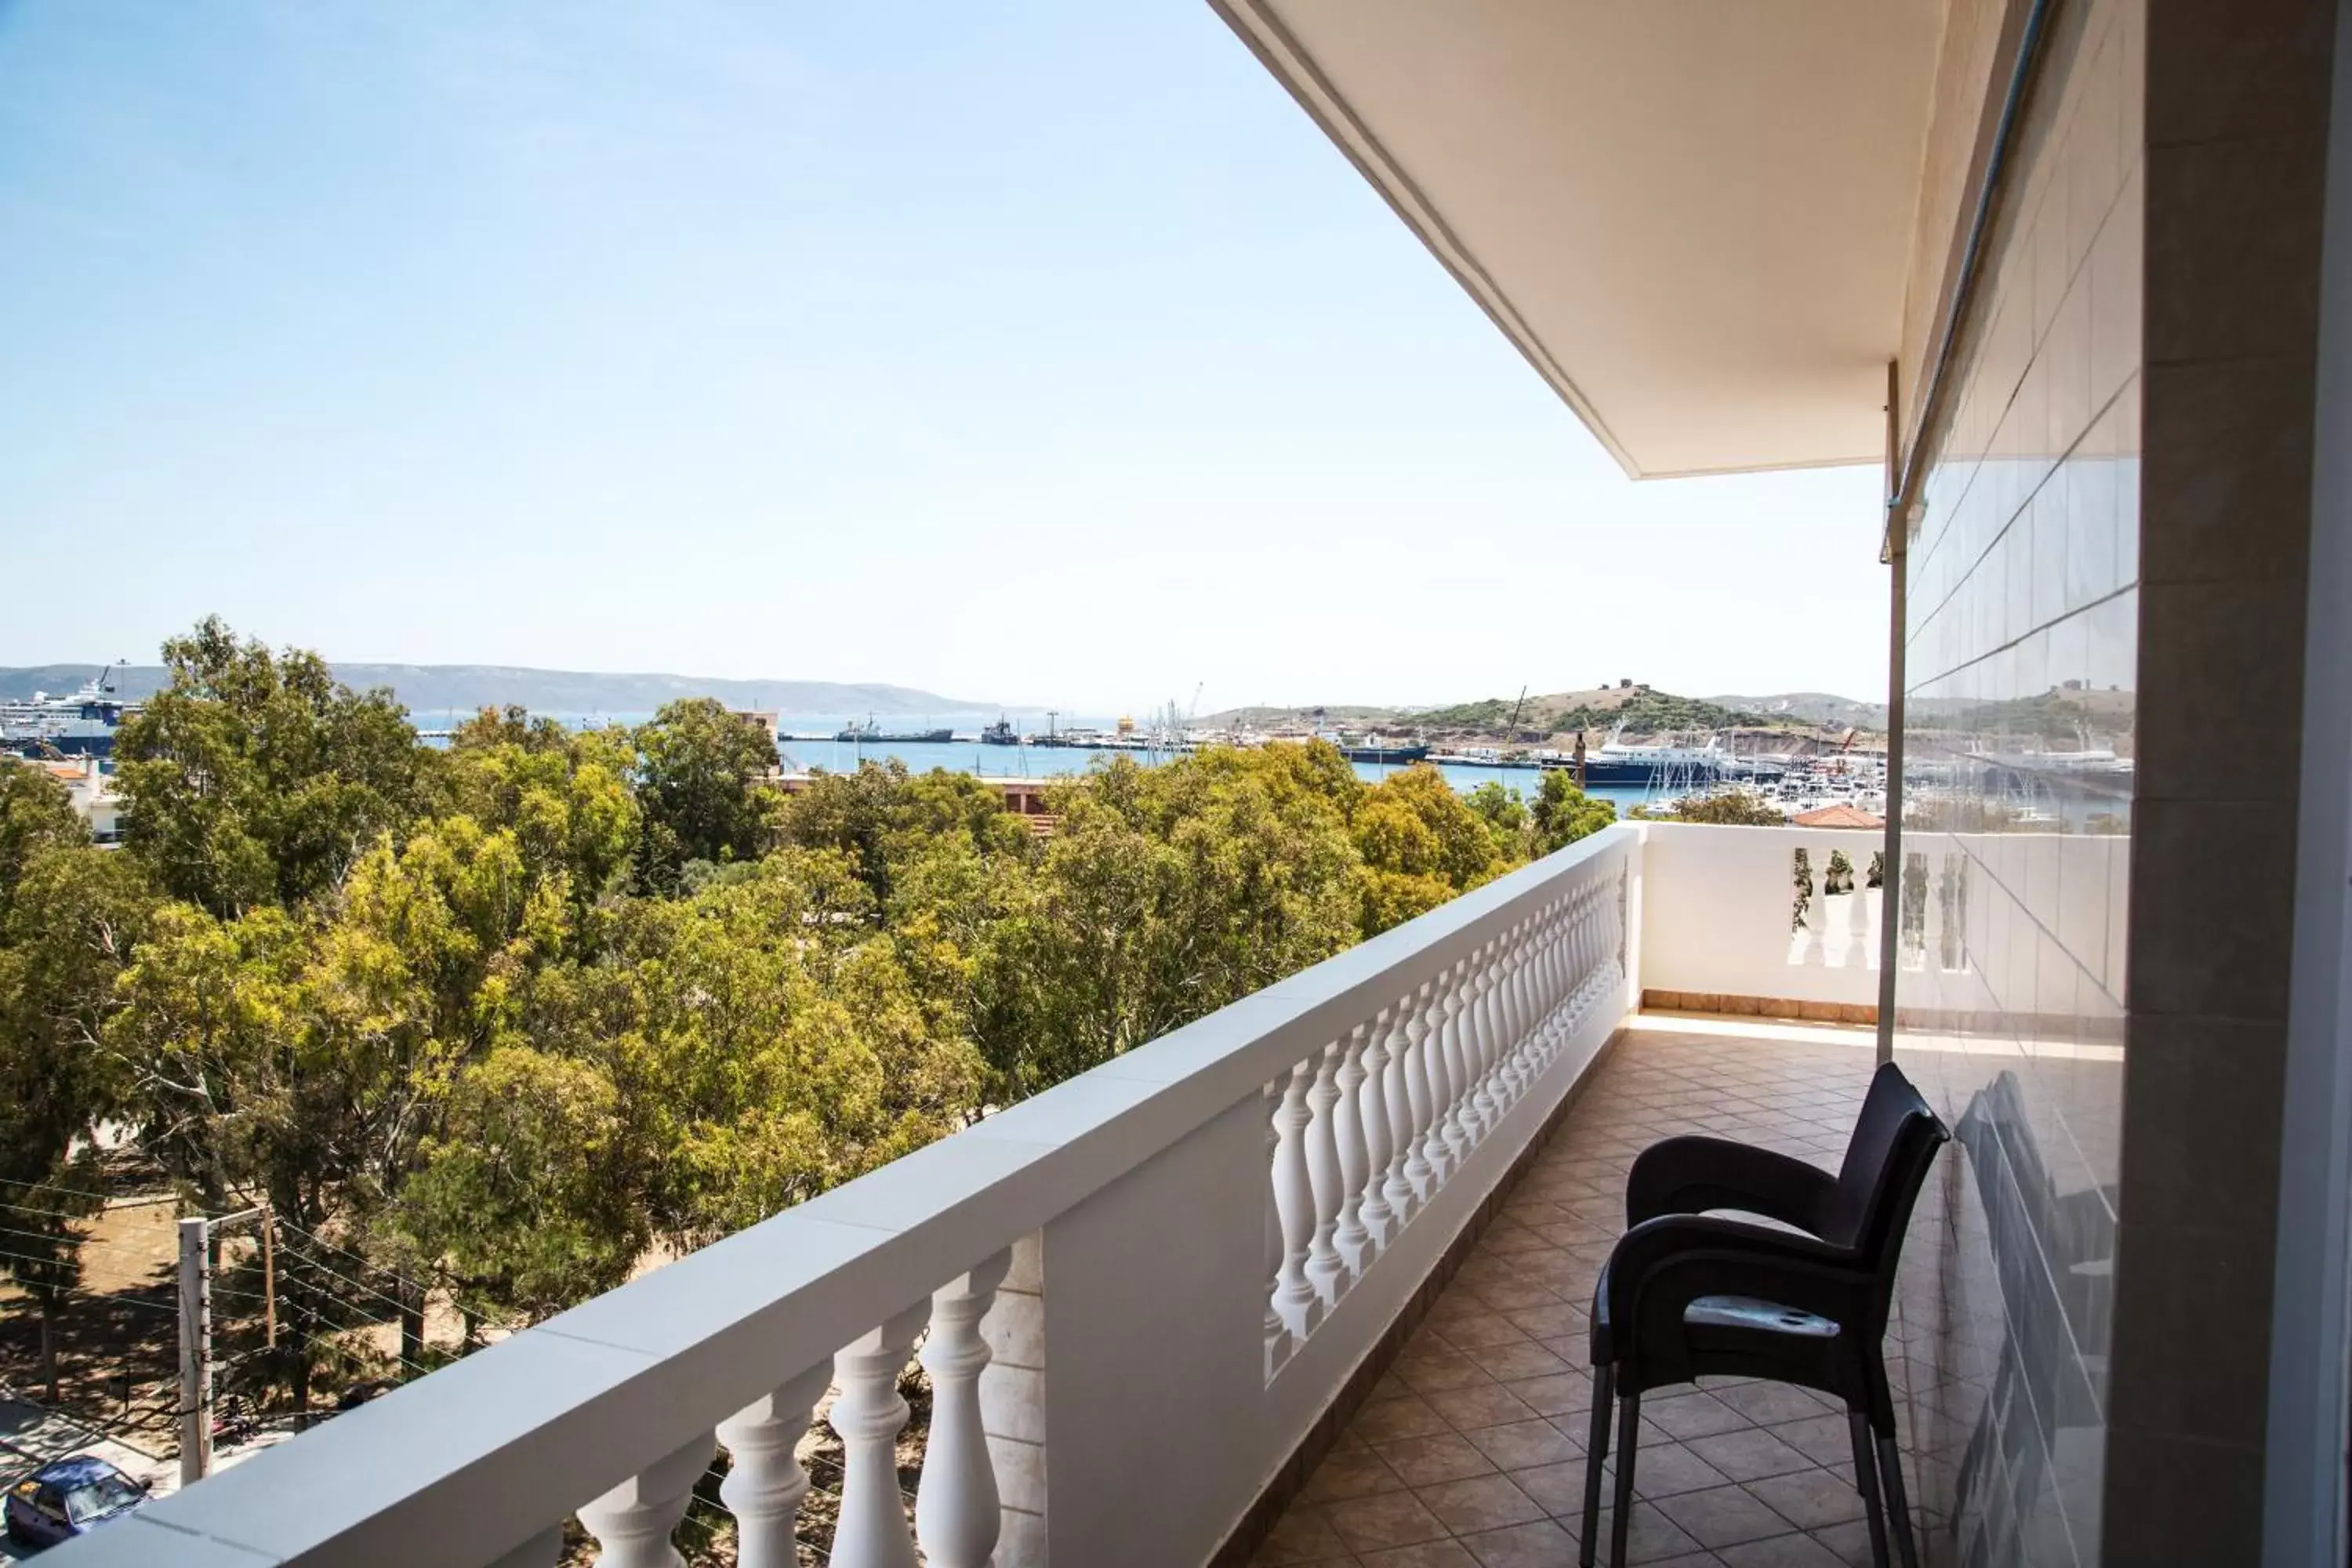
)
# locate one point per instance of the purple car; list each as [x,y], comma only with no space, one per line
[69,1497]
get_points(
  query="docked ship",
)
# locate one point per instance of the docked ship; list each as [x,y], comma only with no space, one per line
[1370,749]
[81,724]
[872,735]
[1001,733]
[1614,761]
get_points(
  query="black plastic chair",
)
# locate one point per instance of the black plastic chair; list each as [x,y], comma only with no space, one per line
[1687,1295]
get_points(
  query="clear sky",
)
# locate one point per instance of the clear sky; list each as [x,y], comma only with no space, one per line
[1036,350]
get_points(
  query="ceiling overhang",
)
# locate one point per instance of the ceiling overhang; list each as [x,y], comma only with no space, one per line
[1695,219]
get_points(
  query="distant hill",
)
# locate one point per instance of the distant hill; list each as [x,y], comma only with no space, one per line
[1641,710]
[431,689]
[1814,707]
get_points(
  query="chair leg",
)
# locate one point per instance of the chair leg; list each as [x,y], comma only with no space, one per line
[1898,1506]
[1596,1453]
[1629,1443]
[1865,1481]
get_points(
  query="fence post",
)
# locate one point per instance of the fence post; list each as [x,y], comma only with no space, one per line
[195,1353]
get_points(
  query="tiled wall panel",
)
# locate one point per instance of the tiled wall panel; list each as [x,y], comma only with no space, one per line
[2020,732]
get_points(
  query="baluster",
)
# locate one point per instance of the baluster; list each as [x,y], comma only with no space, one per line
[1506,1042]
[1417,1085]
[1548,983]
[957,1512]
[1619,906]
[1294,1296]
[1324,1265]
[1575,967]
[1591,945]
[1555,980]
[634,1520]
[1435,1150]
[1528,981]
[1380,1220]
[1403,1200]
[1452,1133]
[1277,1335]
[1353,1240]
[1465,1035]
[764,1482]
[1510,966]
[869,1416]
[1487,1093]
[1538,976]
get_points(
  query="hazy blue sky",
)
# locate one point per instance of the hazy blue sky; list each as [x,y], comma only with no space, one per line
[1034,351]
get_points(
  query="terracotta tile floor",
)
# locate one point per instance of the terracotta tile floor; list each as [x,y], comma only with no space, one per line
[1471,1449]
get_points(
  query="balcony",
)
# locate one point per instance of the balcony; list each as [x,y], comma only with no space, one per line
[1338,1237]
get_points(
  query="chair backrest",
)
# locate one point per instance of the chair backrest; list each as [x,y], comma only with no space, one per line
[1886,1162]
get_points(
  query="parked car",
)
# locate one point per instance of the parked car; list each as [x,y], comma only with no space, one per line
[69,1497]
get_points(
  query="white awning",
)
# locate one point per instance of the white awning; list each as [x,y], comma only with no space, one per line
[1693,217]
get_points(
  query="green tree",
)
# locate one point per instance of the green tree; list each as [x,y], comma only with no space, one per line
[36,814]
[1164,894]
[1505,816]
[1735,808]
[1421,844]
[531,1193]
[254,778]
[565,795]
[68,914]
[701,785]
[1562,813]
[886,819]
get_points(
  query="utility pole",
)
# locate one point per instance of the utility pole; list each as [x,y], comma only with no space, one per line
[196,1352]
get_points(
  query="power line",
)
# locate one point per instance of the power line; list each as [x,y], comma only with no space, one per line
[45,1236]
[102,1296]
[314,1237]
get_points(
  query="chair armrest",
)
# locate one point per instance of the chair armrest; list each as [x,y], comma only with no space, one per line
[1690,1175]
[1662,1264]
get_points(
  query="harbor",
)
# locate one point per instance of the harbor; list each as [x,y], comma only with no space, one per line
[1795,775]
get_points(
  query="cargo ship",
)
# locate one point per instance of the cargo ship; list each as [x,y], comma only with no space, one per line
[1001,733]
[872,735]
[1371,751]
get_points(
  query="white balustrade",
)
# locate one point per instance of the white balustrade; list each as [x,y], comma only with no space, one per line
[957,1512]
[765,1482]
[1485,1060]
[1380,1220]
[1421,1085]
[868,1416]
[1403,1195]
[1294,1296]
[1352,1238]
[1278,1333]
[1451,1051]
[1324,1268]
[633,1522]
